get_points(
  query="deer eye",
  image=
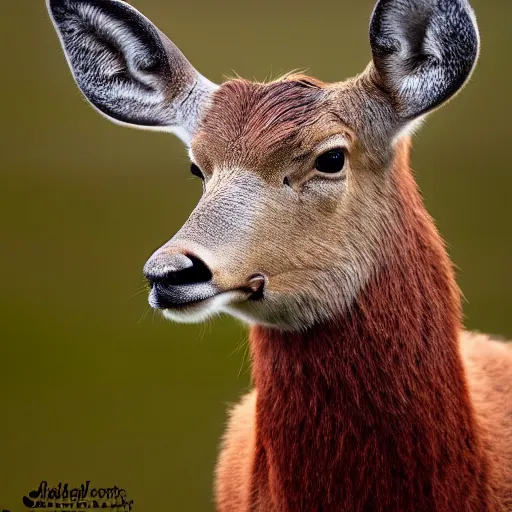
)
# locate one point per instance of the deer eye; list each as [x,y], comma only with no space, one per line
[331,161]
[194,169]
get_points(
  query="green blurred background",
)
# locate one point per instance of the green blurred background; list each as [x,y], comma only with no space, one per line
[94,386]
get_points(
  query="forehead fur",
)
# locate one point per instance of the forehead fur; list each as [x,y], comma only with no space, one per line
[253,123]
[253,119]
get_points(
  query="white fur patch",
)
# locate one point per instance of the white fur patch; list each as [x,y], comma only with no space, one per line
[205,309]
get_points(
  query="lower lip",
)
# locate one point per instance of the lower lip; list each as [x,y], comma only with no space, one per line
[190,307]
[155,303]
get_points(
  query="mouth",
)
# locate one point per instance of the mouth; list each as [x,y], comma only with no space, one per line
[196,302]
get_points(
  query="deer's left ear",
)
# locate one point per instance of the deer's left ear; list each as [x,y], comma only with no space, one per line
[423,50]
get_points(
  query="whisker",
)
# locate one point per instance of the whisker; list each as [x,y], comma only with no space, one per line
[142,290]
[144,315]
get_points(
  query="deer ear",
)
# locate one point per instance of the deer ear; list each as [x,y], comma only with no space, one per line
[127,68]
[424,51]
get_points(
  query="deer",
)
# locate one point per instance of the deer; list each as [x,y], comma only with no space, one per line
[368,393]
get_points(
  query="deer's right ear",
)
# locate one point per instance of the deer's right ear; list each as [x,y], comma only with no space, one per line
[423,50]
[127,68]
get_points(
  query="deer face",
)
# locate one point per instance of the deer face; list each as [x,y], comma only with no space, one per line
[296,190]
[290,209]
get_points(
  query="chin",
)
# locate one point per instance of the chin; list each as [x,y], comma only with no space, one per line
[276,311]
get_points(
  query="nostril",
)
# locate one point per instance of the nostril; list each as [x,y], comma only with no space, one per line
[176,263]
[198,272]
[179,270]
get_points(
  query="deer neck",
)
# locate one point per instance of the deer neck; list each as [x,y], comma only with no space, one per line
[371,411]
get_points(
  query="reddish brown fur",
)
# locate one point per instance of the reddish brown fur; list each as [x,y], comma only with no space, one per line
[371,412]
[277,114]
[275,111]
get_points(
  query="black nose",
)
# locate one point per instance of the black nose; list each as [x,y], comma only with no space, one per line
[177,280]
[177,270]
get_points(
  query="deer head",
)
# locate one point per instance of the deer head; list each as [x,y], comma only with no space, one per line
[297,196]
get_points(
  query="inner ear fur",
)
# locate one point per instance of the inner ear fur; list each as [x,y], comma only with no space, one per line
[424,51]
[129,70]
